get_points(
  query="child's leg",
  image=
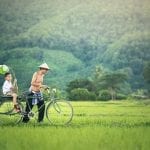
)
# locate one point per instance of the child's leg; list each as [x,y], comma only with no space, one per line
[16,107]
[14,95]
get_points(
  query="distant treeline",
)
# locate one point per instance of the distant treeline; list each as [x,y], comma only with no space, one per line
[74,37]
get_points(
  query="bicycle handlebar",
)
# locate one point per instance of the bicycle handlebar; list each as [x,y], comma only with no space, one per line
[47,88]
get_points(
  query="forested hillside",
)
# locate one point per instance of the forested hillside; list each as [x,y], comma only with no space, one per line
[74,36]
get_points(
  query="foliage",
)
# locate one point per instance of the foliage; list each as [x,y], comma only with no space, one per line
[25,62]
[140,94]
[146,74]
[80,83]
[112,82]
[81,94]
[113,34]
[104,95]
[131,52]
[104,86]
[121,96]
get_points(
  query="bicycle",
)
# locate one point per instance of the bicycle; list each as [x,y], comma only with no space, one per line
[7,112]
[58,111]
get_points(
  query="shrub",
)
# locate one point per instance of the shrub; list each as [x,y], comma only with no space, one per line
[81,94]
[121,96]
[91,96]
[104,95]
[140,94]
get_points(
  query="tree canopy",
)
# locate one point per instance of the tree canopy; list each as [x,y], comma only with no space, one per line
[74,36]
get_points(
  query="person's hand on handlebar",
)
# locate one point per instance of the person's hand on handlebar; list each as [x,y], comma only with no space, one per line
[45,87]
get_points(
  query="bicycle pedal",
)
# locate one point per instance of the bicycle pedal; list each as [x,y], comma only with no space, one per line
[23,113]
[31,114]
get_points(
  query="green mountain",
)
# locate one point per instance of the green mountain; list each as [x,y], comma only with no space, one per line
[75,36]
[25,61]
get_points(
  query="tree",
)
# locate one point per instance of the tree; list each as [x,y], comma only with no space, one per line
[80,83]
[112,82]
[146,74]
[98,73]
[81,89]
[81,94]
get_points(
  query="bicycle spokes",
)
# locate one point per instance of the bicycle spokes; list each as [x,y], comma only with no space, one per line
[57,107]
[8,115]
[59,112]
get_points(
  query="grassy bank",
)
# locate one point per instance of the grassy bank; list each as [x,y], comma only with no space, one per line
[114,125]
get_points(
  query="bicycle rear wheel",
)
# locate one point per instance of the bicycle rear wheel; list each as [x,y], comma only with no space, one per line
[59,112]
[7,113]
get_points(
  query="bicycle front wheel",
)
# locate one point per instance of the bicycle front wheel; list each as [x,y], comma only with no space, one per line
[59,112]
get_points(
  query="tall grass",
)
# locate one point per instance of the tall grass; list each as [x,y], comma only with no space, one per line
[96,126]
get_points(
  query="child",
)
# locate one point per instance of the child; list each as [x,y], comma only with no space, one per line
[8,89]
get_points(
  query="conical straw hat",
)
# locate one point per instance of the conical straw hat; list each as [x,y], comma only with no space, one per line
[44,65]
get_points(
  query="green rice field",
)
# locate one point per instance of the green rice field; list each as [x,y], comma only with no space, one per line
[113,125]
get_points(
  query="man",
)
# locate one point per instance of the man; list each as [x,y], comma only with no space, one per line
[35,94]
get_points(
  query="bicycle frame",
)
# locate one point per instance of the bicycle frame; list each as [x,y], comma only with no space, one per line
[52,103]
[51,99]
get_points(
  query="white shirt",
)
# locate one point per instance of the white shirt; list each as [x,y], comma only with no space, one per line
[7,87]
